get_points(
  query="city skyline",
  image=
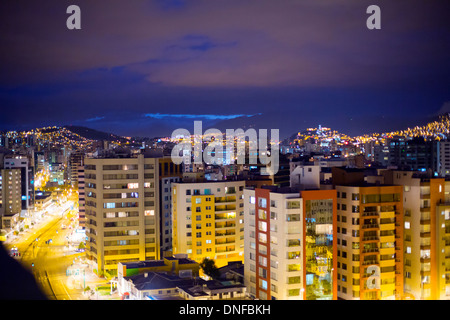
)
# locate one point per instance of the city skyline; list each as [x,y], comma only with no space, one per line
[326,177]
[147,68]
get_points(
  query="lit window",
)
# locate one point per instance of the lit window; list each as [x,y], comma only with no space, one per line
[149,212]
[407,225]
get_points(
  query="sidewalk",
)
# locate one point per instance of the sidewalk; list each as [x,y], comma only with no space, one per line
[11,238]
[86,277]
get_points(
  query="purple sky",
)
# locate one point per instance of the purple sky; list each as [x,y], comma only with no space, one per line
[277,64]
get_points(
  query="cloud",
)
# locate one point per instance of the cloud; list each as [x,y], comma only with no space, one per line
[94,119]
[197,116]
[234,43]
[444,109]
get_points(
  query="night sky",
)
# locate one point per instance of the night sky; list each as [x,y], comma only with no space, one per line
[145,68]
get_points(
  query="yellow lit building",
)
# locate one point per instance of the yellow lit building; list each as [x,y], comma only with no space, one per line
[426,235]
[121,204]
[208,220]
[369,242]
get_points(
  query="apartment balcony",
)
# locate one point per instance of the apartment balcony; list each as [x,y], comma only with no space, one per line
[225,218]
[428,246]
[370,238]
[225,250]
[387,263]
[225,234]
[425,234]
[230,190]
[221,244]
[226,209]
[224,200]
[293,268]
[387,251]
[388,238]
[225,225]
[425,221]
[387,226]
[425,209]
[370,262]
[425,259]
[370,250]
[374,226]
[387,215]
[373,214]
[89,233]
[425,273]
[388,275]
[425,196]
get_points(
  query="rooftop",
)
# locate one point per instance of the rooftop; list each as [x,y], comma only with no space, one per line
[155,263]
[204,288]
[157,280]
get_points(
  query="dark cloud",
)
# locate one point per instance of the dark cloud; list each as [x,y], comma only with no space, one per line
[295,62]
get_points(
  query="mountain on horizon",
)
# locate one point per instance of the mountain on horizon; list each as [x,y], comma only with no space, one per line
[437,126]
[93,134]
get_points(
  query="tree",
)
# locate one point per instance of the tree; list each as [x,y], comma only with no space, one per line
[209,268]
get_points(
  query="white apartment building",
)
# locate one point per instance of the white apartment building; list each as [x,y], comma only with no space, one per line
[289,243]
[121,201]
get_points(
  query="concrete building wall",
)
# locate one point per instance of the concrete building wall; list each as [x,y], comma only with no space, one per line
[122,206]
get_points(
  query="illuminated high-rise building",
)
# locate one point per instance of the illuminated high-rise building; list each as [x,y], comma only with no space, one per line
[169,173]
[208,220]
[122,221]
[23,163]
[369,242]
[426,234]
[81,197]
[10,197]
[289,237]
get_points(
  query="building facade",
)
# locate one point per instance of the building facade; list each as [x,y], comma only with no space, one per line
[81,197]
[27,181]
[369,242]
[10,197]
[426,235]
[289,244]
[169,173]
[122,223]
[208,220]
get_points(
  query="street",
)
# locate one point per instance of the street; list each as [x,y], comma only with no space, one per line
[48,252]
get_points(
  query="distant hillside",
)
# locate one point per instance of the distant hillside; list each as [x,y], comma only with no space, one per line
[92,134]
[436,128]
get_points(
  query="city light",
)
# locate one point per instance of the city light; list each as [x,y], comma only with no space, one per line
[249,151]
